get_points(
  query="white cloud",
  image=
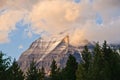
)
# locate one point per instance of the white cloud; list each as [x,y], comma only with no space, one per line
[4,38]
[107,8]
[55,16]
[7,23]
[20,47]
[15,11]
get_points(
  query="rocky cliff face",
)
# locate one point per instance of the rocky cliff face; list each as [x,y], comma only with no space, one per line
[43,51]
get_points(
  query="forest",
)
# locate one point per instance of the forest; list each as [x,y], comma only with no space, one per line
[103,63]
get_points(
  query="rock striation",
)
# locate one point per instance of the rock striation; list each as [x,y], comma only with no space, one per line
[44,50]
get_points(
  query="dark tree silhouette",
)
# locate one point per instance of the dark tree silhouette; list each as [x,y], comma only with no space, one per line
[15,72]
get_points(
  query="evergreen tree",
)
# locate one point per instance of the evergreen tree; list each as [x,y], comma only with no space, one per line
[99,69]
[81,74]
[115,66]
[4,65]
[15,72]
[87,57]
[42,73]
[113,59]
[54,71]
[69,72]
[83,71]
[105,64]
[33,73]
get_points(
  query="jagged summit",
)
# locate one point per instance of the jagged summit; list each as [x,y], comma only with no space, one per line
[44,50]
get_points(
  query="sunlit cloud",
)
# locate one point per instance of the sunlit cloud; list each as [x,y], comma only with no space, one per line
[62,16]
[7,23]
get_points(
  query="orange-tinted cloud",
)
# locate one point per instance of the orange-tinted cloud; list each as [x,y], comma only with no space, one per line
[56,16]
[7,24]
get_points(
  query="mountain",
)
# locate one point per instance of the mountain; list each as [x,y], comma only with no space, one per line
[44,50]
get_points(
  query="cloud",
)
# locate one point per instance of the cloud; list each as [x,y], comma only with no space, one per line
[11,12]
[17,4]
[108,10]
[20,47]
[108,31]
[2,3]
[77,37]
[4,38]
[54,17]
[107,4]
[7,24]
[63,16]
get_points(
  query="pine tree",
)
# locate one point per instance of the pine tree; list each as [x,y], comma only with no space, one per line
[113,59]
[86,55]
[115,66]
[15,72]
[80,73]
[4,65]
[33,73]
[69,72]
[104,65]
[83,71]
[42,73]
[98,68]
[54,69]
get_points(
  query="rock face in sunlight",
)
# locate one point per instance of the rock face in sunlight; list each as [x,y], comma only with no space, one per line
[44,50]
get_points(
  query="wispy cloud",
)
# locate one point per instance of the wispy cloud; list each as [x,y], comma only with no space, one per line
[20,47]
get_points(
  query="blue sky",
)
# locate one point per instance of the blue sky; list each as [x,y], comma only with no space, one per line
[23,21]
[19,41]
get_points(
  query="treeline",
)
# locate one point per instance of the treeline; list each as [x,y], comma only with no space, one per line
[103,63]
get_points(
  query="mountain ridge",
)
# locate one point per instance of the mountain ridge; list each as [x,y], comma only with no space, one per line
[44,51]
